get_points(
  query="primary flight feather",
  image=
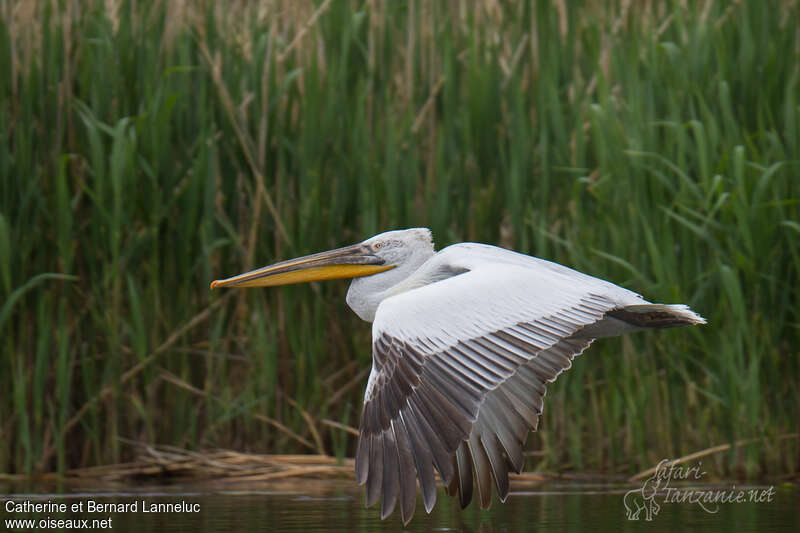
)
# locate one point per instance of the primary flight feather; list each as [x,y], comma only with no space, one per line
[464,341]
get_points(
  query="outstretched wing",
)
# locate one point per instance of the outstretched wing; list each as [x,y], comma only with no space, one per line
[458,376]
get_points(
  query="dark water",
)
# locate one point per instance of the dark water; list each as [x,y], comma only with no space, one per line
[336,506]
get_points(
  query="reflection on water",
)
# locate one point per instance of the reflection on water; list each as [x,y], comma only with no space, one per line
[337,506]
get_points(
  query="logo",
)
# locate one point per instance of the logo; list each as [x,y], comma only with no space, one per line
[647,501]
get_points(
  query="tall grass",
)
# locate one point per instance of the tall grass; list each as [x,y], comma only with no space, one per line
[148,147]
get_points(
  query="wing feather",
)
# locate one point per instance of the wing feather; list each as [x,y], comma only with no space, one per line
[491,447]
[408,475]
[375,476]
[362,458]
[391,473]
[422,460]
[440,453]
[481,468]
[463,477]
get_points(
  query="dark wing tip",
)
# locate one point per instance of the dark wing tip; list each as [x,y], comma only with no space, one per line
[391,474]
[362,458]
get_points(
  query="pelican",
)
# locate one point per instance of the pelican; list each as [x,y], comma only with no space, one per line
[464,341]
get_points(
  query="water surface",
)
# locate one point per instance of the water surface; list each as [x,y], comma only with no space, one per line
[338,506]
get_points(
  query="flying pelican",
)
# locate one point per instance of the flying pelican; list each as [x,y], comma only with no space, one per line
[463,342]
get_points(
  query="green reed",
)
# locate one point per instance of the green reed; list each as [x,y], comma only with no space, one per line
[148,148]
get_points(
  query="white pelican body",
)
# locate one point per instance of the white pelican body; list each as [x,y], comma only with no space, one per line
[463,343]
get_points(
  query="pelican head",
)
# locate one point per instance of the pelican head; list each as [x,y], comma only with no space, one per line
[377,265]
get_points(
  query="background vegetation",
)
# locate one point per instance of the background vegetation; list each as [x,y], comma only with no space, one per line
[149,147]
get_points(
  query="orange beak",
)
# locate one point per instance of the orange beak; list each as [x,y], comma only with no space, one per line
[348,262]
